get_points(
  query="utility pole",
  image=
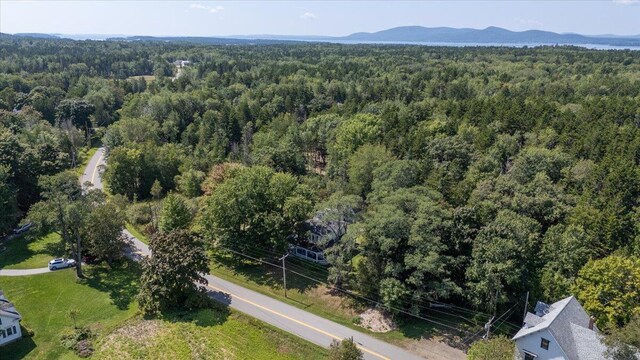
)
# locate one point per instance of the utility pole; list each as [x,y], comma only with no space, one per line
[526,304]
[284,274]
[487,327]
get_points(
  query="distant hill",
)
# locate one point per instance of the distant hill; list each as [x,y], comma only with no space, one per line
[203,40]
[403,34]
[37,35]
[490,35]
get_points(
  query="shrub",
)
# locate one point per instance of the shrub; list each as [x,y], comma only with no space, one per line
[79,340]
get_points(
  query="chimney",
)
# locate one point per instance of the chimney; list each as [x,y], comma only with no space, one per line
[591,321]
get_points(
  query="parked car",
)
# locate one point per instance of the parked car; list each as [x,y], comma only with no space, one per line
[61,263]
[23,228]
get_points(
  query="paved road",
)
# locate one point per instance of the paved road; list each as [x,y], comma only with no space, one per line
[284,316]
[92,171]
[23,272]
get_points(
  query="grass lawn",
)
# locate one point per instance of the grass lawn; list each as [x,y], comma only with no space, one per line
[205,334]
[29,252]
[103,300]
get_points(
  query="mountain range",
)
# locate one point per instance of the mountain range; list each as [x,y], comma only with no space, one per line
[404,34]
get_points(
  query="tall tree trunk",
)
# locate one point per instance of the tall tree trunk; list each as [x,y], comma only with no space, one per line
[78,256]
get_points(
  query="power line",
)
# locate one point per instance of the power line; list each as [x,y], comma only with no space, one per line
[351,293]
[322,271]
[256,254]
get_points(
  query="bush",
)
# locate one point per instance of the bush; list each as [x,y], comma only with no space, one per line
[496,348]
[26,331]
[140,213]
[344,350]
[78,340]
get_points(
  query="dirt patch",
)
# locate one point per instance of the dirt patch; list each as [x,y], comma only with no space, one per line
[434,348]
[139,331]
[375,320]
[338,304]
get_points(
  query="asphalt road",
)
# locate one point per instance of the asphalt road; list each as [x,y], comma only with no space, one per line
[23,272]
[301,323]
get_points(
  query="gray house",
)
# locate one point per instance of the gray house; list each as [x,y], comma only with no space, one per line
[320,234]
[562,330]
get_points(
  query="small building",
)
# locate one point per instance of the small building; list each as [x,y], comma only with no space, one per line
[181,63]
[9,321]
[319,235]
[562,330]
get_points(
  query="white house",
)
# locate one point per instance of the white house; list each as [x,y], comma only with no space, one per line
[181,63]
[9,321]
[562,330]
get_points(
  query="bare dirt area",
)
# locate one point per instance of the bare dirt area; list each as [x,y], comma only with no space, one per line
[375,320]
[434,348]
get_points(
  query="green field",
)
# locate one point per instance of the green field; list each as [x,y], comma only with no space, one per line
[206,334]
[103,301]
[29,252]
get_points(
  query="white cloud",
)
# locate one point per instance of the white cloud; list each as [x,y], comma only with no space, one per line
[212,10]
[308,16]
[627,2]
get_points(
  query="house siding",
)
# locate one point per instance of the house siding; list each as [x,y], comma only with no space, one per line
[531,343]
[13,324]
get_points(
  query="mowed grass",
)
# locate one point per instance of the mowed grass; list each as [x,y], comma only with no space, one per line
[103,301]
[30,252]
[205,334]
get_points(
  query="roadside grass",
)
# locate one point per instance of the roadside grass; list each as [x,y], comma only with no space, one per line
[29,251]
[134,231]
[44,301]
[85,155]
[147,78]
[205,334]
[318,299]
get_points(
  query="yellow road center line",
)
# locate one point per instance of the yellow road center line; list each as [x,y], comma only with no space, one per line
[93,176]
[297,321]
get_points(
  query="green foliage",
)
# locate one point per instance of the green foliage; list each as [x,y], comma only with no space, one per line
[502,260]
[496,348]
[362,164]
[345,350]
[255,206]
[609,289]
[103,232]
[172,278]
[176,214]
[624,342]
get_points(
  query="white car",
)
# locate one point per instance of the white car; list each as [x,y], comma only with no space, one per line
[61,263]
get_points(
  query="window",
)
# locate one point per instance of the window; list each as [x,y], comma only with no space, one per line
[528,356]
[9,333]
[3,334]
[15,331]
[544,343]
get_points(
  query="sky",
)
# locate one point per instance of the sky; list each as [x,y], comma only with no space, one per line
[335,18]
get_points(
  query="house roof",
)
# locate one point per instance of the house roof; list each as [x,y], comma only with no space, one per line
[7,309]
[569,324]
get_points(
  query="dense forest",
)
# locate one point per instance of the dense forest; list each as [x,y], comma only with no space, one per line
[465,175]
